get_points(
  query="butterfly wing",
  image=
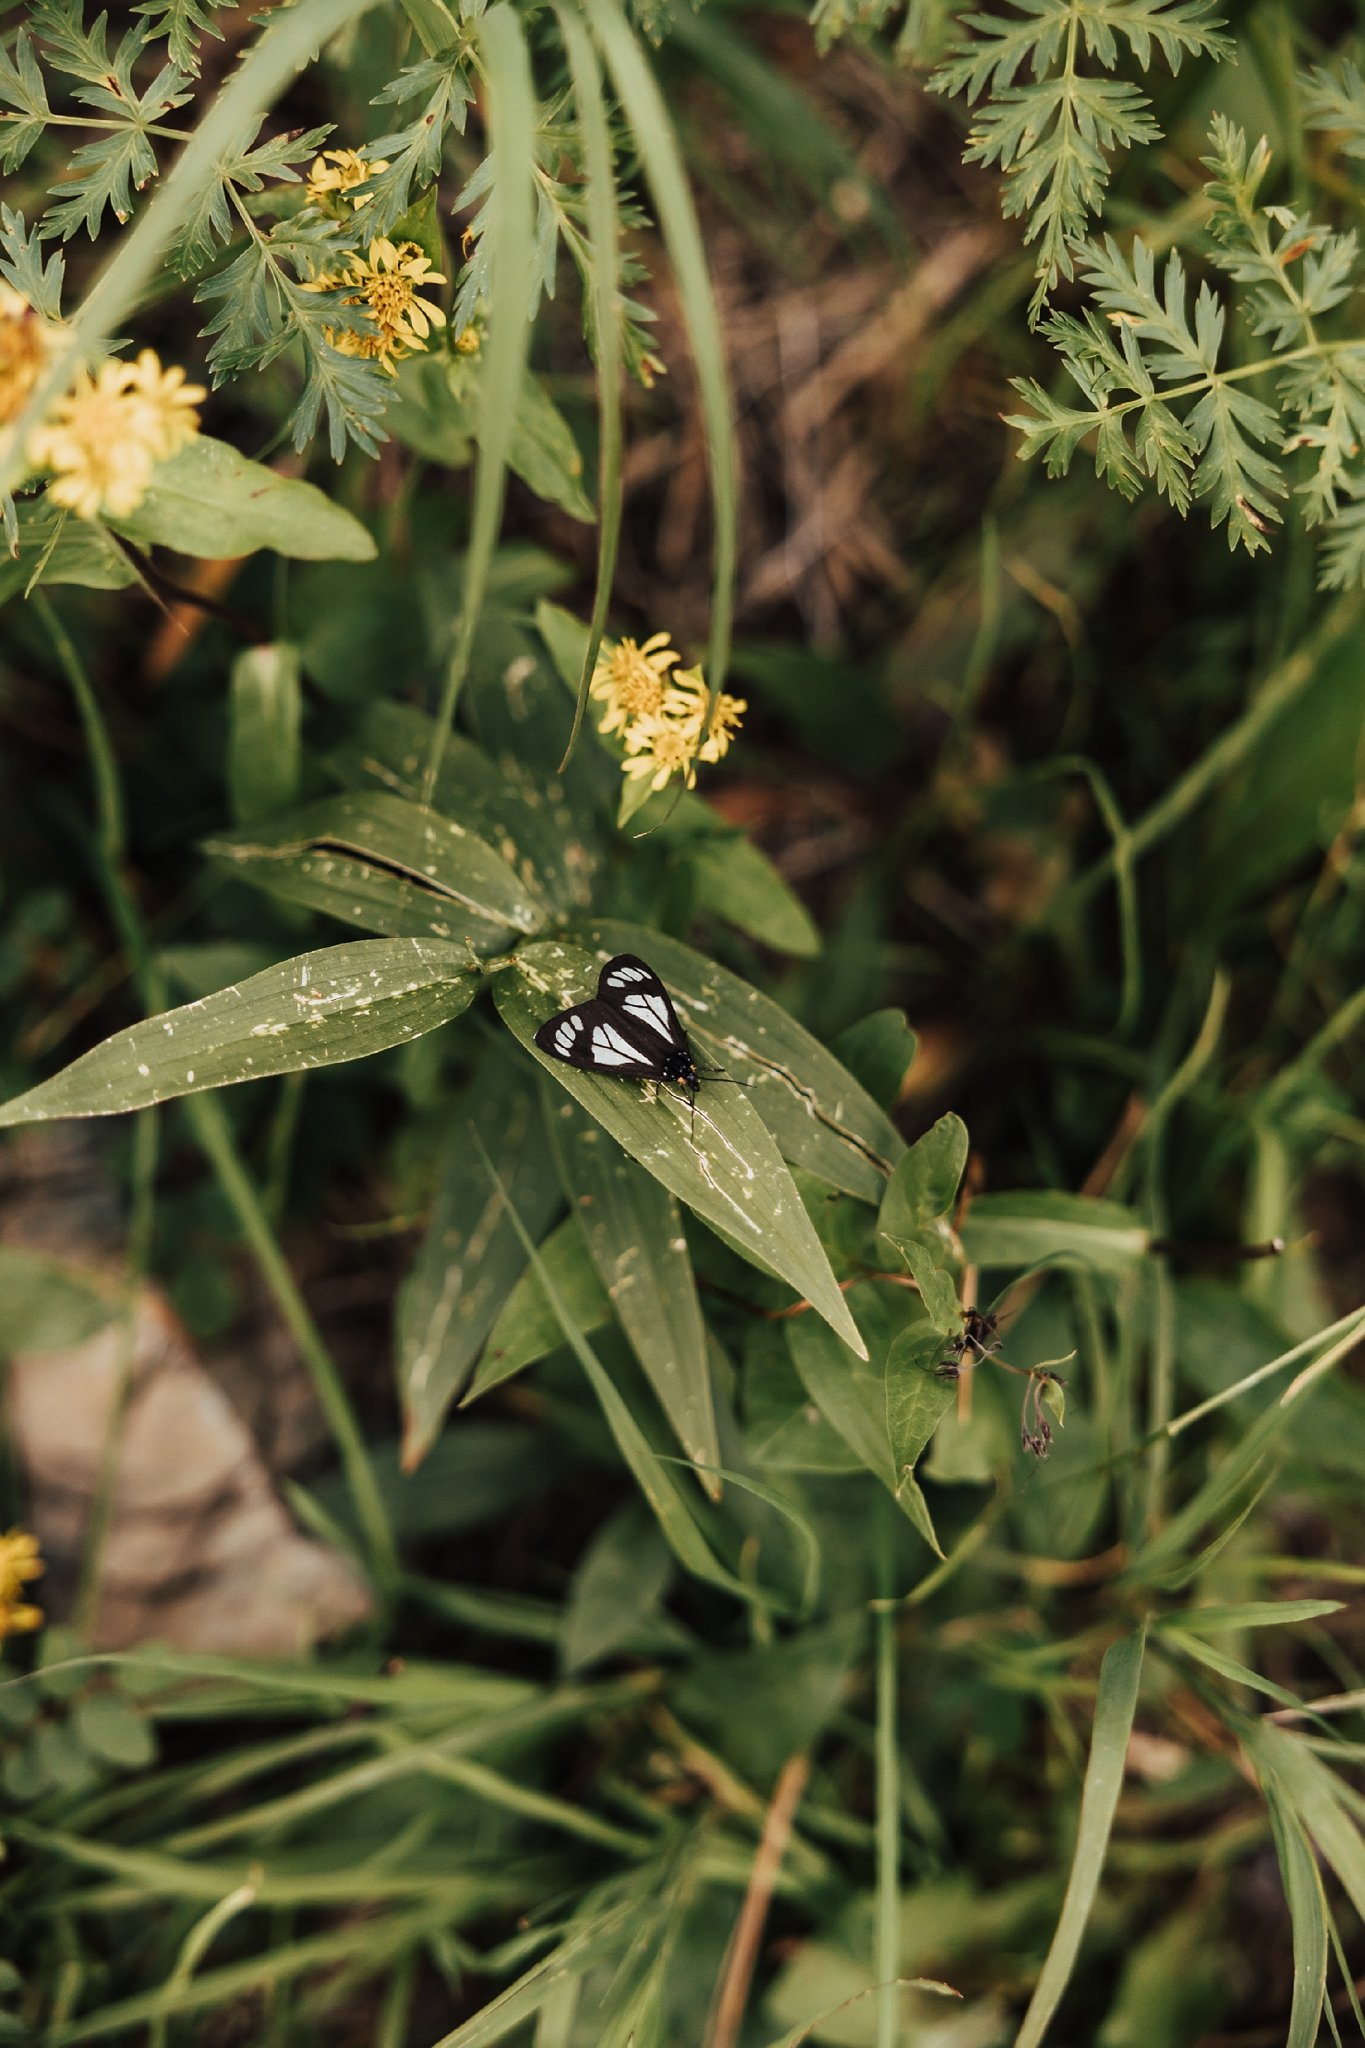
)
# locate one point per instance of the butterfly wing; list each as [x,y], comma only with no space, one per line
[602,1038]
[627,984]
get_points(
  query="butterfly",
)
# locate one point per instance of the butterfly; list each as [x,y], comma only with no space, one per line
[629,1029]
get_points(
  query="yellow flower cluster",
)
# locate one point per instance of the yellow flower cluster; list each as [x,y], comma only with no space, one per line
[338,172]
[387,282]
[26,341]
[662,712]
[19,1562]
[106,434]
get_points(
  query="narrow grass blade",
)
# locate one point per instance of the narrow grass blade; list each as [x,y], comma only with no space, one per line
[1115,1705]
[604,240]
[1307,1918]
[512,129]
[644,108]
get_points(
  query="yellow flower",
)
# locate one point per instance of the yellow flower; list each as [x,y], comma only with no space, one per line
[19,1562]
[387,282]
[688,702]
[103,439]
[26,340]
[660,748]
[630,681]
[338,171]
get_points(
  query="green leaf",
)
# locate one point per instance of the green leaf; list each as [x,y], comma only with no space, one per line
[617,1587]
[937,1289]
[1303,1894]
[784,1431]
[730,1172]
[341,1003]
[210,501]
[525,814]
[56,547]
[917,1397]
[733,880]
[471,1256]
[112,1730]
[1022,1229]
[820,1117]
[1247,1614]
[48,1303]
[926,1180]
[677,1515]
[1115,1704]
[376,860]
[265,713]
[527,1327]
[440,411]
[878,1052]
[635,1235]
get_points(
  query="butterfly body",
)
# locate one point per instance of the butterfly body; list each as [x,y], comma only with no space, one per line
[630,1029]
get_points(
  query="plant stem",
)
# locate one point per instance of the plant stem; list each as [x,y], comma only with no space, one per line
[887,1960]
[210,1126]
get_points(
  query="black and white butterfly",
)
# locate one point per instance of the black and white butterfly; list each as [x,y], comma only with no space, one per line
[630,1029]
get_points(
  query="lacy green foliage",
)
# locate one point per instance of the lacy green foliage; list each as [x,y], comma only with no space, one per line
[61,74]
[1166,406]
[1048,112]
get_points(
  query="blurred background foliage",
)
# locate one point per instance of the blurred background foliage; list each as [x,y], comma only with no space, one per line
[616,1752]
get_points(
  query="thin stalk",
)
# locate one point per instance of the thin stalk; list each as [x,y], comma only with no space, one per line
[1284,685]
[137,1260]
[194,1948]
[888,1822]
[208,1122]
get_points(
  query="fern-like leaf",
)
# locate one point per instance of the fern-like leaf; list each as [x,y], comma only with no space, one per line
[181,24]
[1335,100]
[1049,124]
[22,265]
[24,96]
[414,153]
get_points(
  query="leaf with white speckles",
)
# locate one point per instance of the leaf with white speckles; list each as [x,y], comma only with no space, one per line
[635,1236]
[729,1172]
[821,1118]
[340,1003]
[376,860]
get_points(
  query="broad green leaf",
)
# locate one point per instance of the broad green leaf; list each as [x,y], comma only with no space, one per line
[527,1327]
[210,501]
[617,1587]
[439,411]
[784,1430]
[733,880]
[264,717]
[728,1171]
[820,1117]
[47,1303]
[635,1235]
[851,1394]
[525,815]
[471,1256]
[917,1397]
[112,1730]
[1022,1229]
[926,1180]
[319,1009]
[376,860]
[878,1051]
[57,547]
[1115,1704]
